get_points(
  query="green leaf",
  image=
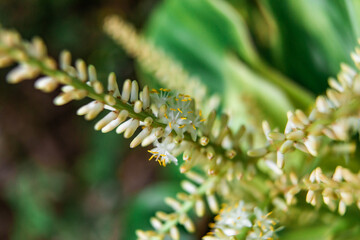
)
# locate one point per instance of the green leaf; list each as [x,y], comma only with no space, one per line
[201,35]
[314,38]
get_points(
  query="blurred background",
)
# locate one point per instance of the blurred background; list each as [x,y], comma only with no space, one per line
[59,179]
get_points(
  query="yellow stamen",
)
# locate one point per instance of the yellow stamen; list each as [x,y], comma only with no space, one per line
[183,118]
[267,214]
[194,127]
[172,109]
[181,126]
[170,125]
[165,90]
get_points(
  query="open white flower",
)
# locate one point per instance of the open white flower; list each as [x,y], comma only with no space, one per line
[232,219]
[162,151]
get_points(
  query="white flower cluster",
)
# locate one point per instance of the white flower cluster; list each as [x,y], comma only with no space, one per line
[243,219]
[177,111]
[333,116]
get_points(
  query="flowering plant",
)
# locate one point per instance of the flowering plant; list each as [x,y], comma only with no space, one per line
[244,175]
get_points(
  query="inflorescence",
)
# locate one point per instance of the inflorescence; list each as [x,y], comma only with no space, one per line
[227,159]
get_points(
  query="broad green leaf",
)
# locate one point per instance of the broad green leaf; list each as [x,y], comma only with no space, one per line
[314,38]
[201,35]
[243,84]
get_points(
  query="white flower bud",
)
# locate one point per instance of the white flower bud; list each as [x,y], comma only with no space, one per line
[259,152]
[126,91]
[105,120]
[138,106]
[140,137]
[188,187]
[156,223]
[213,204]
[146,97]
[131,128]
[46,84]
[134,91]
[81,69]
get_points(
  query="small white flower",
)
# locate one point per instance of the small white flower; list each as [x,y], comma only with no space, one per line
[232,220]
[162,151]
[196,121]
[160,97]
[174,121]
[263,228]
[180,115]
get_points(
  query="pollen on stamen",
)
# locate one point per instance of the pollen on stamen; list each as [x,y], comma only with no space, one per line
[267,215]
